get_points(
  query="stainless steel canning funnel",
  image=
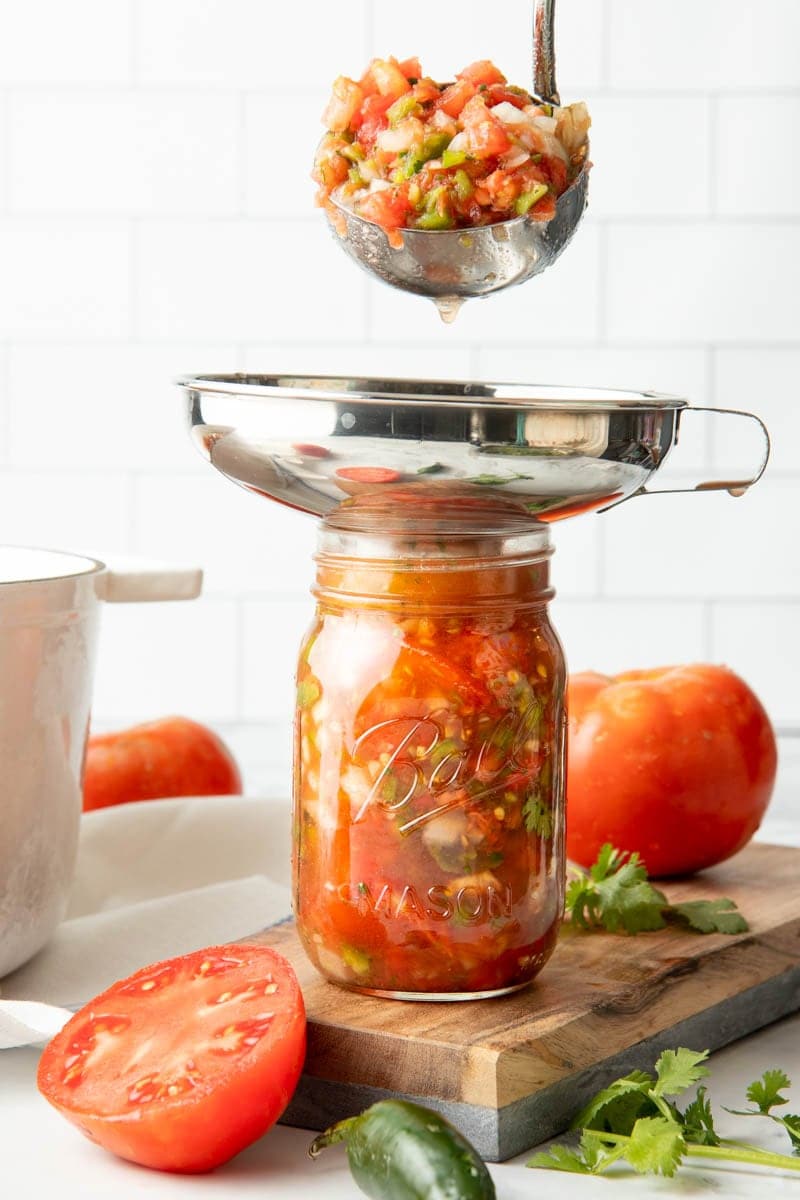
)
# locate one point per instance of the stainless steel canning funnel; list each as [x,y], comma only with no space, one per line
[313,442]
[452,265]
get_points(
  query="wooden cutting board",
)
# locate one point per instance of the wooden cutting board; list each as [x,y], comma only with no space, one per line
[511,1072]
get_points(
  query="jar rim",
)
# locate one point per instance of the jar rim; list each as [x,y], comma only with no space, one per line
[443,531]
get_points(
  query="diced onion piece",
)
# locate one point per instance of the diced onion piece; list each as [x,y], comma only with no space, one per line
[509,114]
[572,126]
[515,158]
[459,143]
[402,137]
[441,121]
[546,124]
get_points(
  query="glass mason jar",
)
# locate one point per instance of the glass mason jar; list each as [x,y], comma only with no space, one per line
[429,753]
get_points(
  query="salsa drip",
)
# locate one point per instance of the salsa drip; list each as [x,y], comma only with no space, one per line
[428,778]
[404,151]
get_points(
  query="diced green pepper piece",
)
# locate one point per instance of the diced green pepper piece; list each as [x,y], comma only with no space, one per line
[437,214]
[444,748]
[434,220]
[434,145]
[308,693]
[527,200]
[354,175]
[453,158]
[356,959]
[353,152]
[409,163]
[464,186]
[402,108]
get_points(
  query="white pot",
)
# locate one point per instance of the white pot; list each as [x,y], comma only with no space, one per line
[49,609]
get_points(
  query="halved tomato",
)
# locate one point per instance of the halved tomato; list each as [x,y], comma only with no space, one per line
[186,1062]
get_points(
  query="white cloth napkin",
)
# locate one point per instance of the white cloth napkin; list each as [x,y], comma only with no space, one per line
[153,879]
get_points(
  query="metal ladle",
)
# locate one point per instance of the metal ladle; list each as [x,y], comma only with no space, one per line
[452,265]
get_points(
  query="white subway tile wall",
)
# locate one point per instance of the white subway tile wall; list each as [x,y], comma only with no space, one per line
[156,218]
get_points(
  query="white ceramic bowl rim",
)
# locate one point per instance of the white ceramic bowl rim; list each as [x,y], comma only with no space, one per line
[33,564]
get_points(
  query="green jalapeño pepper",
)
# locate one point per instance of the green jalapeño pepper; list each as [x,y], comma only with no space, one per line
[401,1151]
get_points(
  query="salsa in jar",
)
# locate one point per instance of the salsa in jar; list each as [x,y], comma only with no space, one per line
[429,752]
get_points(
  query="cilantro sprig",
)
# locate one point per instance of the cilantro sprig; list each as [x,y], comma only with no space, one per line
[616,894]
[765,1094]
[635,1120]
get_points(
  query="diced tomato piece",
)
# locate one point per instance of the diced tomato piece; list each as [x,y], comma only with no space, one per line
[369,474]
[556,171]
[486,136]
[411,68]
[371,118]
[425,90]
[454,98]
[499,94]
[389,78]
[482,72]
[346,99]
[503,187]
[544,209]
[388,208]
[330,168]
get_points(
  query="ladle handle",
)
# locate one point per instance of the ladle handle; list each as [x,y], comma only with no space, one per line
[736,487]
[544,52]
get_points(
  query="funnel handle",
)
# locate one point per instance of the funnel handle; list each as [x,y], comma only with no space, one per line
[736,487]
[544,52]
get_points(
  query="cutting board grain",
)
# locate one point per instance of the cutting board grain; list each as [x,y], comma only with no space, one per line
[510,1072]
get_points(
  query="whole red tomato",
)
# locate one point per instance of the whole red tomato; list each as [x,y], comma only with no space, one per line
[170,757]
[186,1062]
[676,762]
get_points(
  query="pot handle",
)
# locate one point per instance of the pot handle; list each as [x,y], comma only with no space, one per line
[736,487]
[127,581]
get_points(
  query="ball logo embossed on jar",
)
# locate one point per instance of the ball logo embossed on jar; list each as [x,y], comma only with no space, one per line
[422,760]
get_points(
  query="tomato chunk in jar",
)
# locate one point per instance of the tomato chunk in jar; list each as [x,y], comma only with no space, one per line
[429,747]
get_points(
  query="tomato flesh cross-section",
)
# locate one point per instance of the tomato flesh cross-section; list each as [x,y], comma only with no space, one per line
[186,1062]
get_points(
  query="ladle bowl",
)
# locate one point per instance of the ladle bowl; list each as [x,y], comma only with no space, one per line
[315,442]
[456,264]
[452,265]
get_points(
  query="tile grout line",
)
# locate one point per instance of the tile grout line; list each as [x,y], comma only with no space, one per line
[603,277]
[134,253]
[243,156]
[714,158]
[710,367]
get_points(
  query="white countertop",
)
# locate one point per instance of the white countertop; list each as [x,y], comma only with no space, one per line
[39,1149]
